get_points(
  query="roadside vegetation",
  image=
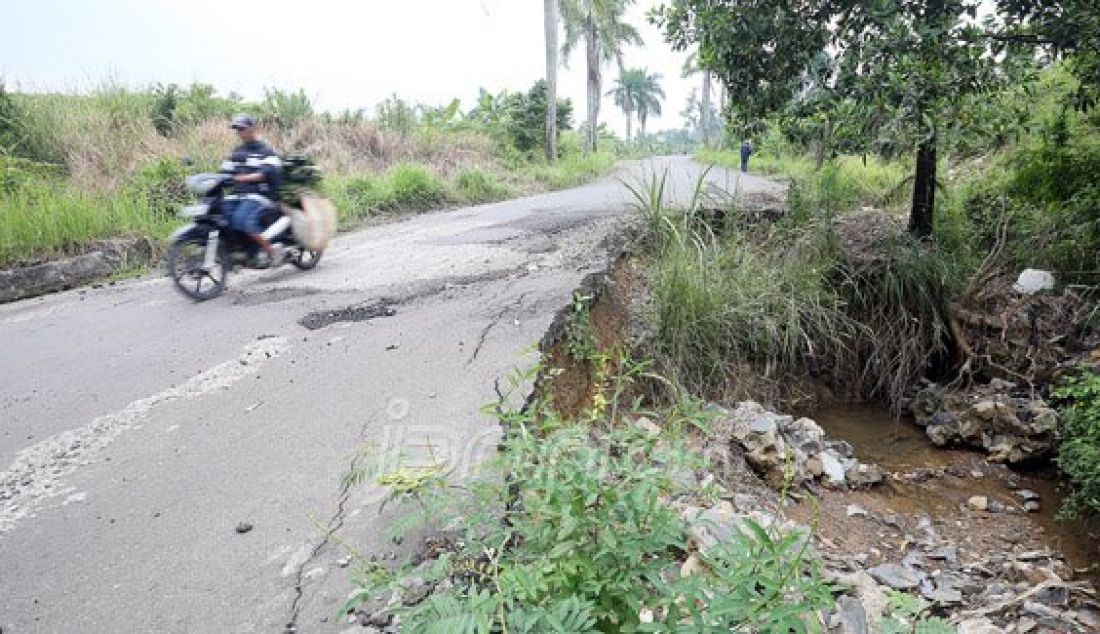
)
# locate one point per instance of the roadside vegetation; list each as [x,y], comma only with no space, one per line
[919,188]
[571,530]
[923,180]
[874,311]
[76,169]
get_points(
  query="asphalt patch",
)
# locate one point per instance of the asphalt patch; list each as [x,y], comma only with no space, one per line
[363,312]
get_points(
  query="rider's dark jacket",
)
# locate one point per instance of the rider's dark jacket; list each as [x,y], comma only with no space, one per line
[252,157]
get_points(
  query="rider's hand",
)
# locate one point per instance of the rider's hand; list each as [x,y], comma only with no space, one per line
[249,178]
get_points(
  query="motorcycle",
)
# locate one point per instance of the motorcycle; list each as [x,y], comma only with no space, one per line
[207,248]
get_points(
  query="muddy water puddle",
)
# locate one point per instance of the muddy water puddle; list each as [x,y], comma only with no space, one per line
[939,482]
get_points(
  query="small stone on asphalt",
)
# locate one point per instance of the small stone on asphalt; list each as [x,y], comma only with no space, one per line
[856,511]
[243,527]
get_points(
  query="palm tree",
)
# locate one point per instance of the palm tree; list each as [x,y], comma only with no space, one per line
[691,66]
[637,91]
[649,99]
[550,9]
[600,24]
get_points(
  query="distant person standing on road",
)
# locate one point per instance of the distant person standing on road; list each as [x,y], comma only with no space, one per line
[746,151]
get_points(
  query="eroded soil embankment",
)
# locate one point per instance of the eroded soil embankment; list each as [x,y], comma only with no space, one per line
[977,540]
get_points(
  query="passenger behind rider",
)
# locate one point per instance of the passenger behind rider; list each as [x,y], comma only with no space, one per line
[256,170]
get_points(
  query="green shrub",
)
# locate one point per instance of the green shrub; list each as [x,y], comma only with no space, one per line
[745,312]
[842,184]
[1054,191]
[161,183]
[174,107]
[477,185]
[414,186]
[10,122]
[284,108]
[1045,196]
[1078,400]
[17,172]
[165,102]
[586,544]
[575,169]
[367,195]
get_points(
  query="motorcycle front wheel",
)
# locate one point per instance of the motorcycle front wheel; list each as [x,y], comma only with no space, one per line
[186,267]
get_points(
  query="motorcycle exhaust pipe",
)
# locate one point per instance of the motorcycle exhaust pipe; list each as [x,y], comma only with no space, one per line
[276,228]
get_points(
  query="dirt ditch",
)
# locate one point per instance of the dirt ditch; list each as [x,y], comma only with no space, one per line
[977,539]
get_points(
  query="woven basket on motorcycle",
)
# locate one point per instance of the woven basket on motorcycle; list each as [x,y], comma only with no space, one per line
[313,218]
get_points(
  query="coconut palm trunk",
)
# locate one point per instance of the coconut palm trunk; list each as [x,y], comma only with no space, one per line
[550,8]
[599,24]
[704,116]
[592,53]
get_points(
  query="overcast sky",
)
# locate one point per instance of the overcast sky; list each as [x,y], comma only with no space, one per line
[344,53]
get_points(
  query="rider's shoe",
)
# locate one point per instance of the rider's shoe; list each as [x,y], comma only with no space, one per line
[278,254]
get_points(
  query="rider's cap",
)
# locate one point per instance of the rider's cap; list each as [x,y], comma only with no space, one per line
[242,121]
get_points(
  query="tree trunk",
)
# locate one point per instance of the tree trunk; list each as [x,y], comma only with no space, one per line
[723,97]
[641,122]
[551,25]
[823,146]
[924,190]
[704,106]
[629,126]
[592,47]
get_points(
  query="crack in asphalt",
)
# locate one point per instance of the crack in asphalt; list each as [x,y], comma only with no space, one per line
[333,526]
[335,523]
[496,320]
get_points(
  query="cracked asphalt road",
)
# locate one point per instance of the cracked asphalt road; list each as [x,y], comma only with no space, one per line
[138,429]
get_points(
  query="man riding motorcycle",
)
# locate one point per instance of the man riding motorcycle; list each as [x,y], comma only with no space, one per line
[256,170]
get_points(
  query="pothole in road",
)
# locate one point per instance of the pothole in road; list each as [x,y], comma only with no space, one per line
[363,312]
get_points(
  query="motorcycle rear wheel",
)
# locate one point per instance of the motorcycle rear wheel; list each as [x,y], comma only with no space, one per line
[186,258]
[306,260]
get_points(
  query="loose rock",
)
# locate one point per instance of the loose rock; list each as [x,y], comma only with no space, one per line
[978,626]
[853,618]
[896,576]
[978,503]
[1012,428]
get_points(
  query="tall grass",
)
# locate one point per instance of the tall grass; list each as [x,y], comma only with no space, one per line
[752,311]
[846,182]
[571,170]
[46,219]
[899,291]
[738,318]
